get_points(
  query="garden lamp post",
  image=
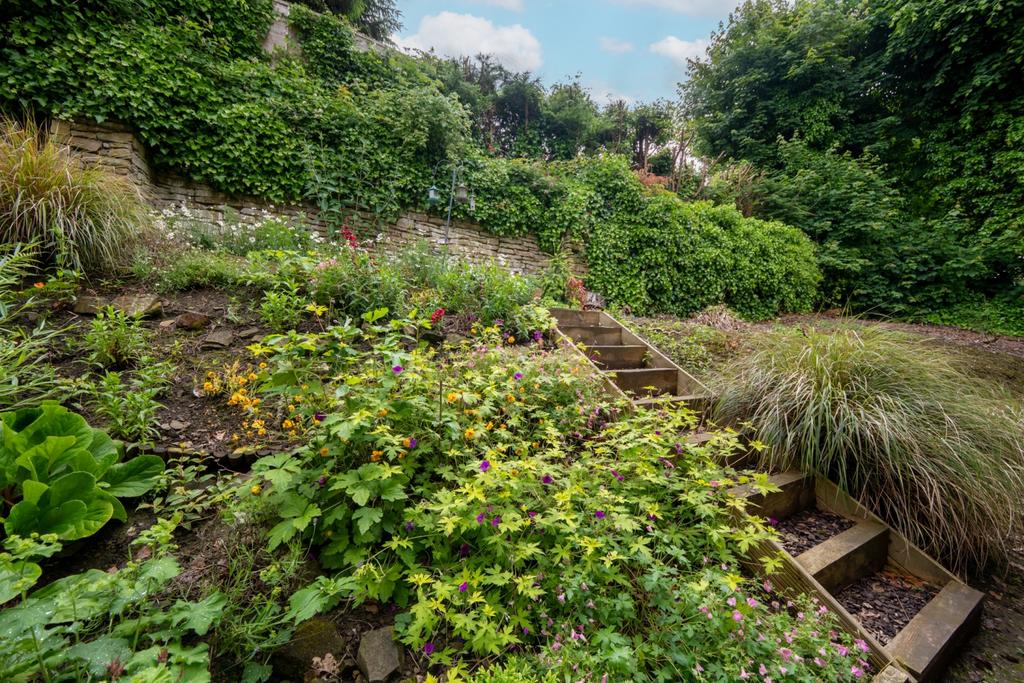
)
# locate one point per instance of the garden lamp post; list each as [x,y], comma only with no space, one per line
[458,192]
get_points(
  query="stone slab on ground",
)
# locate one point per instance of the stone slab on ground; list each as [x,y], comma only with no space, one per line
[219,339]
[141,305]
[378,657]
[316,637]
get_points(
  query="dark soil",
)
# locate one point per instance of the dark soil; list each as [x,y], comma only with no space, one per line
[884,603]
[809,528]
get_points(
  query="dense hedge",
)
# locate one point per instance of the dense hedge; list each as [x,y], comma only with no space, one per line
[349,129]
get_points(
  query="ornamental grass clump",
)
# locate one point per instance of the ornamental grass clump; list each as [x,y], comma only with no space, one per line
[80,217]
[896,422]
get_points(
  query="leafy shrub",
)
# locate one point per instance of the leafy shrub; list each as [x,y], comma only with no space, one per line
[115,339]
[693,347]
[81,218]
[128,408]
[997,315]
[933,450]
[66,476]
[282,310]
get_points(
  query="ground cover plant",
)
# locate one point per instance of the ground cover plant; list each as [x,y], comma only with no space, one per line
[902,426]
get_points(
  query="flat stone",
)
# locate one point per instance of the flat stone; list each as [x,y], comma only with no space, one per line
[316,637]
[89,305]
[178,425]
[378,657]
[141,305]
[166,325]
[219,339]
[249,332]
[190,320]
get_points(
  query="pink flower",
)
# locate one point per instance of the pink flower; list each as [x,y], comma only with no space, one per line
[841,649]
[762,670]
[752,602]
[731,601]
[736,616]
[785,653]
[856,671]
[818,661]
[861,645]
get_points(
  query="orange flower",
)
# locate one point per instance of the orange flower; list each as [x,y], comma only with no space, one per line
[324,451]
[376,456]
[39,285]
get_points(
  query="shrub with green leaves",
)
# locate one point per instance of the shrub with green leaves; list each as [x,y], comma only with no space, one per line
[64,477]
[115,339]
[924,443]
[80,217]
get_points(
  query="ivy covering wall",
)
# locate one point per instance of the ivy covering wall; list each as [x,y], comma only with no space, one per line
[348,129]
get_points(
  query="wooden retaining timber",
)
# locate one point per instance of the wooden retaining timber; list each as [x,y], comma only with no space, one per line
[634,369]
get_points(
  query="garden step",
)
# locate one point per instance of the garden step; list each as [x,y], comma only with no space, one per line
[593,335]
[571,318]
[619,357]
[857,552]
[797,494]
[927,643]
[647,382]
[655,402]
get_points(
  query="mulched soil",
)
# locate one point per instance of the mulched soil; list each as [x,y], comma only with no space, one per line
[808,528]
[884,602]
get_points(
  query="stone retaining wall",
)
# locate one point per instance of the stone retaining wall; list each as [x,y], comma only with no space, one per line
[114,147]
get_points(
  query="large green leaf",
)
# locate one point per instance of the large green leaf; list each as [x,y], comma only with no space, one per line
[16,577]
[133,478]
[26,518]
[99,653]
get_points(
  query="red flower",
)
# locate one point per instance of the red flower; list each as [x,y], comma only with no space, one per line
[437,315]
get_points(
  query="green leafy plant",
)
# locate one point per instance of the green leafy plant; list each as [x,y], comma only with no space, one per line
[932,449]
[101,626]
[129,409]
[282,310]
[82,218]
[62,476]
[115,339]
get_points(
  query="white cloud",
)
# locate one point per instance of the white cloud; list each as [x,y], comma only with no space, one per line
[512,5]
[458,35]
[680,50]
[692,8]
[616,46]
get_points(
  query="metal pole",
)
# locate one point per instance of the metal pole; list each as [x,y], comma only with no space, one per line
[448,220]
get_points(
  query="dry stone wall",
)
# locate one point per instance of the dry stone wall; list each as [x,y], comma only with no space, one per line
[114,147]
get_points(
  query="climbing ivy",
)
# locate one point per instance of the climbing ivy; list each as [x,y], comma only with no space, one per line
[348,129]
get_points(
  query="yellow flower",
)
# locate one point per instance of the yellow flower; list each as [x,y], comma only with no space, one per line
[211,374]
[470,434]
[256,489]
[242,381]
[287,424]
[510,398]
[253,376]
[383,412]
[234,438]
[453,397]
[291,409]
[298,399]
[261,432]
[511,339]
[504,426]
[207,386]
[263,366]
[490,426]
[324,451]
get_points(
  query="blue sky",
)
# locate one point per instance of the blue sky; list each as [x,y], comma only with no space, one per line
[635,49]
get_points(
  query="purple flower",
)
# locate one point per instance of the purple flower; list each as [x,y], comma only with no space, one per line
[480,518]
[409,526]
[412,442]
[618,476]
[485,465]
[319,416]
[537,335]
[599,514]
[398,370]
[526,631]
[463,587]
[532,514]
[496,521]
[322,480]
[464,549]
[498,322]
[428,649]
[518,375]
[547,479]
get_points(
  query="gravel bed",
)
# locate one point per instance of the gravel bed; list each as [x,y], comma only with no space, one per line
[808,528]
[884,603]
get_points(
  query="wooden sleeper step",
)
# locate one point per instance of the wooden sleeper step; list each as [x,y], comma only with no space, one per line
[797,494]
[647,381]
[571,318]
[618,357]
[593,335]
[929,641]
[857,552]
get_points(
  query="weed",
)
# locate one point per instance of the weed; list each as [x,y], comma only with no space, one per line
[115,339]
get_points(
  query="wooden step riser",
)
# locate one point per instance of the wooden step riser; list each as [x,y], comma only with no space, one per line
[797,494]
[849,556]
[618,357]
[650,382]
[594,336]
[569,318]
[926,645]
